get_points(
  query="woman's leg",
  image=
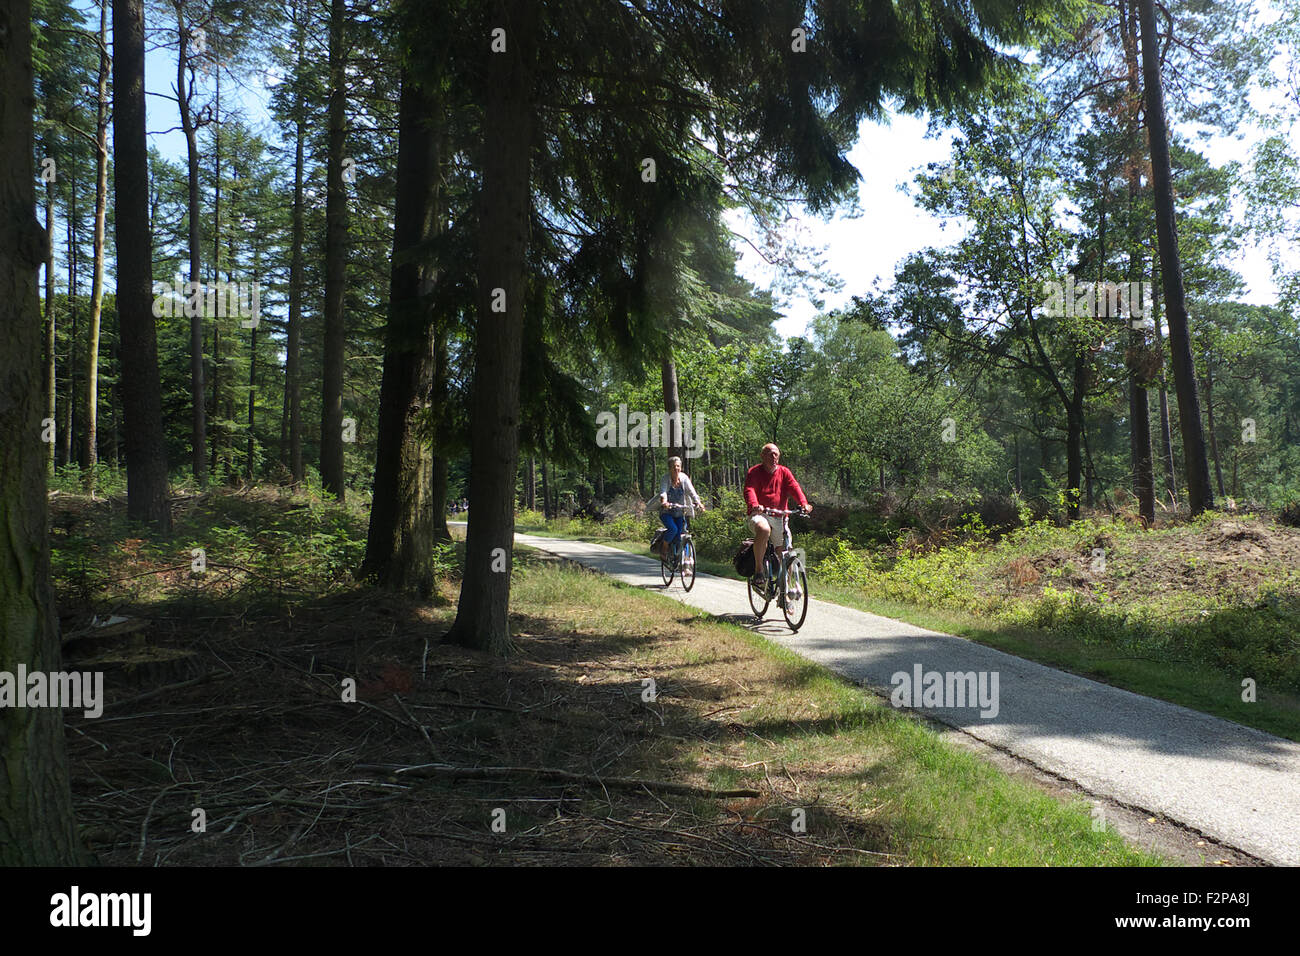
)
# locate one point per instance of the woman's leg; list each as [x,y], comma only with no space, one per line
[674,526]
[671,532]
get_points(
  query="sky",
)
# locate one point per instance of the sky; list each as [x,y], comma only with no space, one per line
[863,250]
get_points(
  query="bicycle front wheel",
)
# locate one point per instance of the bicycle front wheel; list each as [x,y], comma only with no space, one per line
[687,570]
[795,605]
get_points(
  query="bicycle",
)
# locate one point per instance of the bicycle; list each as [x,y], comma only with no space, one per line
[682,564]
[787,579]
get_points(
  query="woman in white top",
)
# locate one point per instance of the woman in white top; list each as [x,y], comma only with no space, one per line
[675,493]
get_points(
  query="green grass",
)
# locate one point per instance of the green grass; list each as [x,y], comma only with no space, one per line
[874,777]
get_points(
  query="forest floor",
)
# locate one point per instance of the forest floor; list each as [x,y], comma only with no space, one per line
[623,729]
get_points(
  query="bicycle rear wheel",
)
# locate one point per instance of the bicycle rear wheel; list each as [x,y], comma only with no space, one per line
[759,600]
[687,569]
[665,567]
[795,605]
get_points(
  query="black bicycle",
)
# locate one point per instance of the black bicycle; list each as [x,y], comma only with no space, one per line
[681,564]
[787,579]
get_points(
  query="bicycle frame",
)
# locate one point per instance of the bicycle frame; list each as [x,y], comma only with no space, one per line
[780,585]
[788,551]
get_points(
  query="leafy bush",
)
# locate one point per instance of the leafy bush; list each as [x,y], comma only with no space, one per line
[846,567]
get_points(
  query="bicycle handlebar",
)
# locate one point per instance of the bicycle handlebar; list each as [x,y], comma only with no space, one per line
[782,512]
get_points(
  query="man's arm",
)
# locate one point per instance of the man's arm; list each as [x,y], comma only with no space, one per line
[751,498]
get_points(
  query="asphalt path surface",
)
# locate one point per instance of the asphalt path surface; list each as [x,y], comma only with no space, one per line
[1235,785]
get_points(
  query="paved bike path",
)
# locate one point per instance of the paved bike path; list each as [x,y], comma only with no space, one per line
[1236,785]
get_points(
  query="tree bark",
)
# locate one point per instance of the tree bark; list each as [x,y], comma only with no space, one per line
[214,445]
[438,401]
[336,237]
[1074,436]
[90,449]
[146,453]
[70,404]
[1144,484]
[482,617]
[1166,432]
[51,372]
[399,545]
[252,394]
[198,421]
[546,493]
[293,345]
[37,825]
[672,406]
[1199,493]
[1209,414]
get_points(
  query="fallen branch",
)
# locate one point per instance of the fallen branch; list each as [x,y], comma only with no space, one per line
[167,687]
[496,773]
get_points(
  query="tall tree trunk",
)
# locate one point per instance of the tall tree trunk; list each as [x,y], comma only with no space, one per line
[672,406]
[198,422]
[146,453]
[90,450]
[530,488]
[1144,484]
[1139,408]
[1166,431]
[51,373]
[1019,485]
[439,500]
[214,445]
[438,401]
[1199,493]
[336,237]
[1209,414]
[1074,435]
[37,825]
[252,395]
[399,545]
[546,493]
[482,617]
[293,346]
[69,406]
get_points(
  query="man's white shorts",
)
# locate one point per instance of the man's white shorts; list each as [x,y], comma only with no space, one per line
[776,525]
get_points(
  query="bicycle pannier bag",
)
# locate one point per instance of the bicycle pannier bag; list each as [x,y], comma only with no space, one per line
[743,562]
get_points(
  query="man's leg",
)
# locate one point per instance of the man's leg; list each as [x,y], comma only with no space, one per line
[762,531]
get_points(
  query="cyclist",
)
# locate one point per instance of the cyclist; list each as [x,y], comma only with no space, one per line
[769,485]
[675,492]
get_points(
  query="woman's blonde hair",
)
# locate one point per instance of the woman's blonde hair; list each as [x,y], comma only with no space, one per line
[674,458]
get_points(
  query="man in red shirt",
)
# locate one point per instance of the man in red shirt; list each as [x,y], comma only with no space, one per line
[769,485]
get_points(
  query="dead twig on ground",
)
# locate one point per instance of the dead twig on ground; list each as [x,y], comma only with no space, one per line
[496,773]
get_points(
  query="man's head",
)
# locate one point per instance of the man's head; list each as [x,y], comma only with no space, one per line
[771,456]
